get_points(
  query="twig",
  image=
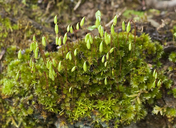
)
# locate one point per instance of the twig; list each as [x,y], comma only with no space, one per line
[168,49]
[77,5]
[2,54]
[162,24]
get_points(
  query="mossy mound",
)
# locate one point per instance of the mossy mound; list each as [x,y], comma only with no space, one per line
[107,77]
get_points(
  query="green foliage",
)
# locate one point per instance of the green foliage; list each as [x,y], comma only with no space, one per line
[127,13]
[103,79]
[130,13]
[172,57]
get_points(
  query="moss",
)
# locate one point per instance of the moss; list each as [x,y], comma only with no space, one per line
[107,77]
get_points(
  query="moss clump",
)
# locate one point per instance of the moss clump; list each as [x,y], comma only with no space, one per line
[107,77]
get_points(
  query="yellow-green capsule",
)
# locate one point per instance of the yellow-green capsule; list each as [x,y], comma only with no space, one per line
[47,64]
[77,26]
[19,54]
[82,21]
[65,38]
[50,65]
[105,64]
[115,20]
[111,50]
[35,45]
[54,62]
[73,69]
[75,52]
[70,89]
[154,84]
[103,59]
[30,111]
[59,68]
[86,37]
[105,81]
[71,29]
[17,76]
[85,66]
[70,56]
[68,28]
[138,100]
[57,40]
[67,55]
[154,72]
[112,29]
[88,44]
[101,47]
[97,22]
[159,83]
[98,18]
[109,38]
[105,35]
[55,19]
[156,75]
[112,72]
[33,68]
[31,46]
[100,30]
[98,14]
[46,53]
[56,29]
[90,39]
[34,39]
[128,27]
[43,41]
[30,62]
[36,53]
[51,74]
